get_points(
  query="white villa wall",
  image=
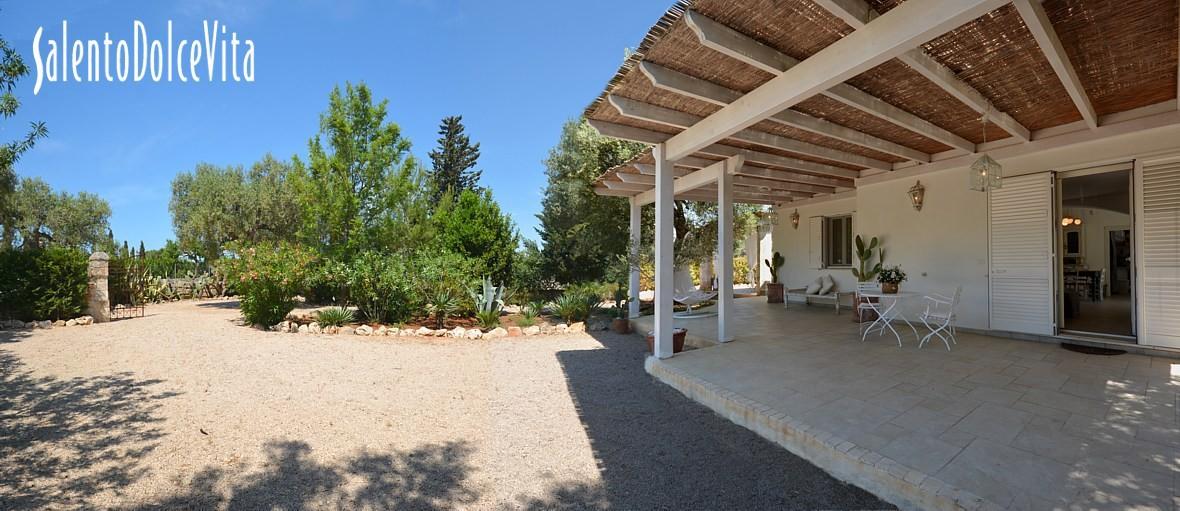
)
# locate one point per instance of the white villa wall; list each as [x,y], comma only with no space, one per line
[794,244]
[945,244]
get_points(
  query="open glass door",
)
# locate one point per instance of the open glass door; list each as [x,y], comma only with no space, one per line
[1096,252]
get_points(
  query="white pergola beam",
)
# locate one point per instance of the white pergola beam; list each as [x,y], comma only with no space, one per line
[878,45]
[709,195]
[740,179]
[647,112]
[692,180]
[646,136]
[747,170]
[858,13]
[1042,30]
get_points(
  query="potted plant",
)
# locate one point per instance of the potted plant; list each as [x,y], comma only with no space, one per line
[621,324]
[774,289]
[890,278]
[866,273]
[678,335]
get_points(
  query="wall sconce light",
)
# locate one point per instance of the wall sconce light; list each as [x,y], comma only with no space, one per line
[1067,221]
[917,195]
[795,219]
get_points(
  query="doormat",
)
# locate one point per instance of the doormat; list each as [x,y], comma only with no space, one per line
[1092,350]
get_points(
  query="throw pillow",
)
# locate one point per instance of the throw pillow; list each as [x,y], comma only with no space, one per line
[827,285]
[813,287]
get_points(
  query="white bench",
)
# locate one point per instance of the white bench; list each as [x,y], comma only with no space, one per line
[833,297]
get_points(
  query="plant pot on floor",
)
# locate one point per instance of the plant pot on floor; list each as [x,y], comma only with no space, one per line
[621,325]
[677,340]
[774,292]
[889,288]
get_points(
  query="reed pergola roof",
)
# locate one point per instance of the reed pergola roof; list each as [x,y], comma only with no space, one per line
[1034,70]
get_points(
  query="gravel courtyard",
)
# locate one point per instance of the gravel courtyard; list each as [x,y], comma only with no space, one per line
[184,410]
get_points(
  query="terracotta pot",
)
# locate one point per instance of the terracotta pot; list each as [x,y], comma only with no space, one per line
[677,340]
[889,288]
[621,325]
[774,292]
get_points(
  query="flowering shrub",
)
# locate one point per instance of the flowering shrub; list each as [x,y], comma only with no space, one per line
[267,276]
[382,287]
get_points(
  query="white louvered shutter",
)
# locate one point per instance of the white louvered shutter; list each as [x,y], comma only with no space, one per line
[816,241]
[1021,258]
[1159,234]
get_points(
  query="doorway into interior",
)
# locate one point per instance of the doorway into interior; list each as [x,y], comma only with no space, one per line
[1097,273]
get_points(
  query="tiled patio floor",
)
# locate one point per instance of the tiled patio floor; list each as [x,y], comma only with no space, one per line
[1021,424]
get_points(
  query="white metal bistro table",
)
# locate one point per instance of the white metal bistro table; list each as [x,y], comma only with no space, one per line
[887,311]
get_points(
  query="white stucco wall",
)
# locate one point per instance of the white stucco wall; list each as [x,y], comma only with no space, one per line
[945,244]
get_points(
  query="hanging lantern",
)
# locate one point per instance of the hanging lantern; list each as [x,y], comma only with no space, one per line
[795,219]
[986,173]
[917,195]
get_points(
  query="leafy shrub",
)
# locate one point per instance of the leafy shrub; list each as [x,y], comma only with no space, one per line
[335,316]
[268,276]
[488,319]
[525,321]
[441,303]
[382,287]
[327,282]
[43,283]
[439,273]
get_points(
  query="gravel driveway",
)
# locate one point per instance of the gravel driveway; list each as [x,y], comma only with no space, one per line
[183,409]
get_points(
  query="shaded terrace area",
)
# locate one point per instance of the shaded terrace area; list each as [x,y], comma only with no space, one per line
[995,421]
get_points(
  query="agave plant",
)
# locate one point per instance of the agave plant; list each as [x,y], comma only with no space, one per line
[488,298]
[335,316]
[488,319]
[572,307]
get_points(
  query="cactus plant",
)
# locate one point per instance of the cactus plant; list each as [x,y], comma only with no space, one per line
[864,254]
[774,263]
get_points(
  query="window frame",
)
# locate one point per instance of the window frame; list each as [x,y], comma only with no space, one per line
[828,235]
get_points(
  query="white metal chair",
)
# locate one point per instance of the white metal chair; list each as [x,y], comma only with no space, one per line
[684,292]
[939,317]
[863,305]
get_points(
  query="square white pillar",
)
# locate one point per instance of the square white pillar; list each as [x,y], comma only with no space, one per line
[663,242]
[725,250]
[633,257]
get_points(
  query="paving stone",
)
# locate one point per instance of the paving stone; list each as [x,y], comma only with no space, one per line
[921,451]
[998,423]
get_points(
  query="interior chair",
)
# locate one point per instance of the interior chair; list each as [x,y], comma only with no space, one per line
[939,317]
[684,292]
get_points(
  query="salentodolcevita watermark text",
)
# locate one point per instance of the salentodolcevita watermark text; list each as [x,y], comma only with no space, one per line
[218,56]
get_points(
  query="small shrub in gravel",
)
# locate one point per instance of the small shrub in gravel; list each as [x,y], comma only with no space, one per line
[268,276]
[334,316]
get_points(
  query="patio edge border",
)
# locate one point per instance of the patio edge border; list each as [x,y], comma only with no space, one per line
[900,485]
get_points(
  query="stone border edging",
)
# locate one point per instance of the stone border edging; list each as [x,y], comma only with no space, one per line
[900,485]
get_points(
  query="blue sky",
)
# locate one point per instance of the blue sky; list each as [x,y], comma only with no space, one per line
[514,70]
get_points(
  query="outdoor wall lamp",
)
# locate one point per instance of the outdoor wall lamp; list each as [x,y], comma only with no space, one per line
[1067,221]
[795,219]
[917,195]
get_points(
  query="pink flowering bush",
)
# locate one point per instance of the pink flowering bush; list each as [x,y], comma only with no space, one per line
[267,276]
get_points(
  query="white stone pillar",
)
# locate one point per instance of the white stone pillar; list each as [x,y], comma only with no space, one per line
[725,251]
[664,246]
[98,298]
[636,228]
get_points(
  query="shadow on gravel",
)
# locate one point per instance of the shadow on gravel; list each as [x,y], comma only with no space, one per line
[657,449]
[220,304]
[63,440]
[432,477]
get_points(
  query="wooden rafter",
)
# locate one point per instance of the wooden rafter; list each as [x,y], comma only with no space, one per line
[1042,30]
[858,13]
[685,85]
[741,47]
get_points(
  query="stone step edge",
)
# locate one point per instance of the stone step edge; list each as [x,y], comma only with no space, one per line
[898,484]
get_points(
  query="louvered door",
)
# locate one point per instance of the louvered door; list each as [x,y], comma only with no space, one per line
[1021,255]
[1158,213]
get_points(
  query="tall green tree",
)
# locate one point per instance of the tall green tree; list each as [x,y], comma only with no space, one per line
[361,188]
[473,226]
[212,206]
[454,159]
[44,218]
[12,68]
[582,233]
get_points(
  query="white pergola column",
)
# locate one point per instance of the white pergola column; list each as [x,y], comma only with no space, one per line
[725,249]
[665,175]
[633,256]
